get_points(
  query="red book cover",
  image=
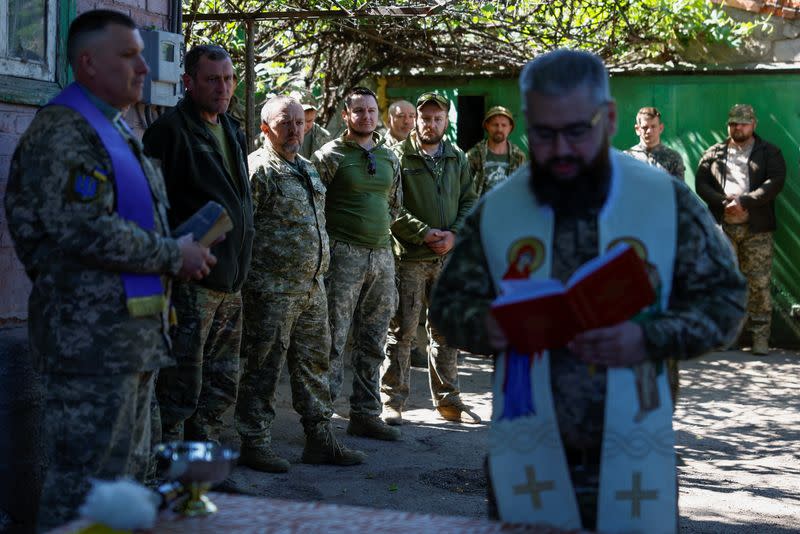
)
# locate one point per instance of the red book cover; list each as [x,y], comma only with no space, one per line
[539,315]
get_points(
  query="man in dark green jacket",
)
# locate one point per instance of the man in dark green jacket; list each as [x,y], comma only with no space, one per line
[437,194]
[203,155]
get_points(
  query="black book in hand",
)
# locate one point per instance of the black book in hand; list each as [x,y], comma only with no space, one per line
[206,225]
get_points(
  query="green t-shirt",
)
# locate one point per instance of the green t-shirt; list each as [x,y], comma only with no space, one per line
[357,203]
[495,169]
[227,154]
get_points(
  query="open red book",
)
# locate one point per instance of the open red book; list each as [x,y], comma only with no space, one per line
[544,314]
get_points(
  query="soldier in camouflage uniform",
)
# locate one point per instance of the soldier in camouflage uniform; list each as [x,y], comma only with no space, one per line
[401,121]
[363,198]
[96,343]
[203,153]
[437,194]
[314,135]
[286,313]
[650,149]
[569,170]
[495,158]
[740,179]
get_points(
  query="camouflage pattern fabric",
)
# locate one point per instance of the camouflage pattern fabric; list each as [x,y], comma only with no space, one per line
[316,137]
[95,427]
[278,328]
[660,156]
[74,246]
[290,250]
[705,307]
[389,140]
[96,360]
[476,156]
[193,395]
[285,308]
[362,293]
[754,252]
[415,280]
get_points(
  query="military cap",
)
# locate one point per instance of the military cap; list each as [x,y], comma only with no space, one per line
[436,98]
[742,114]
[499,110]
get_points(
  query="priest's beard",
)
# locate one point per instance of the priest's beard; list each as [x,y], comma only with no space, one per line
[586,191]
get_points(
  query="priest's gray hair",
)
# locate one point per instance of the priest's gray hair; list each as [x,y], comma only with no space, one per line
[562,71]
[275,105]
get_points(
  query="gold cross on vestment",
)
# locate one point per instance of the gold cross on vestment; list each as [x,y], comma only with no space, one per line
[533,487]
[637,495]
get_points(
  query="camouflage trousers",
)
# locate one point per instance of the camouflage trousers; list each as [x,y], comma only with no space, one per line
[362,293]
[193,395]
[754,252]
[278,328]
[415,280]
[95,426]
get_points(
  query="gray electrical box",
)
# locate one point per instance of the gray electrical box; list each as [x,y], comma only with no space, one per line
[163,52]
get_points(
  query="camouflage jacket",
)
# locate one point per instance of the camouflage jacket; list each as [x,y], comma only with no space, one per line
[389,140]
[705,309]
[660,156]
[290,249]
[476,156]
[434,196]
[355,196]
[313,140]
[74,248]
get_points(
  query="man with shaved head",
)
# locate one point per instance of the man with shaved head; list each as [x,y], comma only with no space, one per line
[286,310]
[87,212]
[402,115]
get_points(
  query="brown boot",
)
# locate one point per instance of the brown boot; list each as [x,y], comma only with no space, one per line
[322,447]
[371,426]
[454,412]
[263,459]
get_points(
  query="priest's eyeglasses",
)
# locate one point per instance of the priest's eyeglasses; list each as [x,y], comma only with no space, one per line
[574,133]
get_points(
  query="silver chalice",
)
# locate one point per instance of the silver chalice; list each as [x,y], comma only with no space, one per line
[197,466]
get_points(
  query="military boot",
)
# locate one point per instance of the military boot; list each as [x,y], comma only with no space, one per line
[760,345]
[322,447]
[392,415]
[371,426]
[263,459]
[455,412]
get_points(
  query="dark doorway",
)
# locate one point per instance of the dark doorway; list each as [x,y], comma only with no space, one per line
[470,120]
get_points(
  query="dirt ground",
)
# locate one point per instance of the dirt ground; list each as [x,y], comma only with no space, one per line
[738,433]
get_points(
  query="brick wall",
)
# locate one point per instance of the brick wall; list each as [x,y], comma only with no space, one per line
[14,119]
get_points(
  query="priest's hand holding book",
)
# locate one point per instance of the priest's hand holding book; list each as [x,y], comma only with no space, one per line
[590,315]
[196,236]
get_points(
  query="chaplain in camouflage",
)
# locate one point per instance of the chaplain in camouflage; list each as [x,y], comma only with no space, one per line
[437,194]
[285,307]
[363,199]
[95,340]
[740,179]
[650,149]
[495,158]
[571,119]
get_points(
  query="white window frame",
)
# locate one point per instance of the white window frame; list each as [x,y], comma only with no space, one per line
[45,71]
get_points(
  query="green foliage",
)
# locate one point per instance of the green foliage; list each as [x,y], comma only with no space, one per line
[328,55]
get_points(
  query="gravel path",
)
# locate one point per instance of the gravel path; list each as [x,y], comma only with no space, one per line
[738,430]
